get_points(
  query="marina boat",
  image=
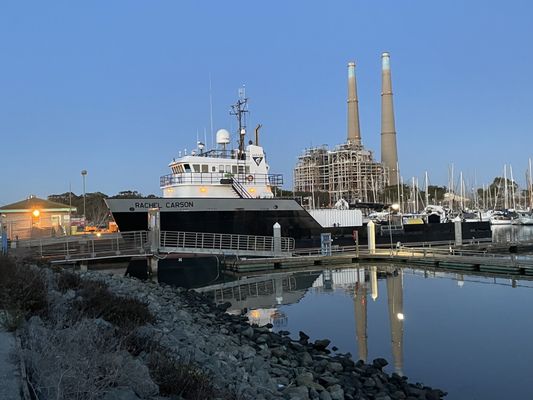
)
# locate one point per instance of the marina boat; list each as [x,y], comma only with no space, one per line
[500,218]
[523,218]
[231,191]
[473,216]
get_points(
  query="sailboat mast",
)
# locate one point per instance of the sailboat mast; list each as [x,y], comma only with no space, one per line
[512,188]
[427,189]
[461,194]
[530,190]
[505,200]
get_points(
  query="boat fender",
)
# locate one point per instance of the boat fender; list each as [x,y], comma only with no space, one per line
[250,178]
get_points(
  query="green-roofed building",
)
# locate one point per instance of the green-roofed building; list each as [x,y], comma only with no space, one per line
[35,217]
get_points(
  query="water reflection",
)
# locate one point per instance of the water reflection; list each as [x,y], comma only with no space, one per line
[396,317]
[360,310]
[434,326]
[259,297]
[512,233]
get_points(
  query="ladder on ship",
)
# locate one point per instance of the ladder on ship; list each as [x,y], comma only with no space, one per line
[240,189]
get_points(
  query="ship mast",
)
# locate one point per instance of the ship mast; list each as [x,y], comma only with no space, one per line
[239,109]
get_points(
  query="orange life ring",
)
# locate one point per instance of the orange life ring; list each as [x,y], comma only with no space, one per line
[250,178]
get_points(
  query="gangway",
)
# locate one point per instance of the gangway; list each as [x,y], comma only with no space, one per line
[225,244]
[80,248]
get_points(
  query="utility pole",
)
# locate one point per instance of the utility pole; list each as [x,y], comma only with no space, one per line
[83,175]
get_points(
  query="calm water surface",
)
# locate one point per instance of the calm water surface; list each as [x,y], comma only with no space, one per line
[512,233]
[469,335]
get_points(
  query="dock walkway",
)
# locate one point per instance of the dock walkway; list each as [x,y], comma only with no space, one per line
[83,248]
[439,258]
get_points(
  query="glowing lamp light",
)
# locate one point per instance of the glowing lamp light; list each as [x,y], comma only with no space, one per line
[255,314]
[36,213]
[400,316]
[252,190]
[98,234]
[203,189]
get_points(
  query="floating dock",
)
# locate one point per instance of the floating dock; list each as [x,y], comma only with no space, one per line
[446,259]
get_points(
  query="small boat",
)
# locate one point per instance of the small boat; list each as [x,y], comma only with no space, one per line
[500,218]
[523,218]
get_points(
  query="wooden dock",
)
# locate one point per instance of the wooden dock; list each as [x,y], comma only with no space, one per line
[446,259]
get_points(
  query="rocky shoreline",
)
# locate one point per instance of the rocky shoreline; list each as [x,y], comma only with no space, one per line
[95,335]
[252,361]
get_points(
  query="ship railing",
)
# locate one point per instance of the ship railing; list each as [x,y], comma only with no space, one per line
[209,178]
[226,241]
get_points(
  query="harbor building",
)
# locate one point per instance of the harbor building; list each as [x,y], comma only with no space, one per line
[35,218]
[349,171]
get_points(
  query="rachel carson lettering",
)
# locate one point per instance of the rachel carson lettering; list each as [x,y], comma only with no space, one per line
[179,204]
[168,204]
[147,205]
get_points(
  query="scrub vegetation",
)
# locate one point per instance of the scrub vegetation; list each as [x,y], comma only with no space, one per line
[79,340]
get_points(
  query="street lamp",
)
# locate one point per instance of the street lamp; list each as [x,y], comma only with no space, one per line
[83,175]
[392,208]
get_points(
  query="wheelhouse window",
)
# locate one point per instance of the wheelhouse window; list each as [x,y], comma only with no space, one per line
[196,167]
[187,168]
[205,168]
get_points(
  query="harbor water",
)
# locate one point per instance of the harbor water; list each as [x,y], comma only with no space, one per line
[469,335]
[464,333]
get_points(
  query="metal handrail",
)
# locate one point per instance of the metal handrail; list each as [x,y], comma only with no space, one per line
[215,177]
[79,247]
[89,246]
[241,191]
[225,241]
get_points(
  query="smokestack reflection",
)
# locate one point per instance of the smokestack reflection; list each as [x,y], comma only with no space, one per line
[360,309]
[395,301]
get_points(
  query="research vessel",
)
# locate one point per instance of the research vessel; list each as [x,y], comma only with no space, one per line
[231,190]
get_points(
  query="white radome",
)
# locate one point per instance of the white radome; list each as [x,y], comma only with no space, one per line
[223,136]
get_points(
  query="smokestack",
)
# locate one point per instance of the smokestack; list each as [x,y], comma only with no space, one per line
[389,151]
[354,133]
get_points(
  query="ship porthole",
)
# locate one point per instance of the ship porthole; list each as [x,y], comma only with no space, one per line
[132,209]
[250,178]
[275,206]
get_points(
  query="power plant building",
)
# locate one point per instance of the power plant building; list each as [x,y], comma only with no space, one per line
[349,171]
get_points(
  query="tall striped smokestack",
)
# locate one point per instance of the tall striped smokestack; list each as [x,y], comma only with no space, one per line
[354,132]
[389,151]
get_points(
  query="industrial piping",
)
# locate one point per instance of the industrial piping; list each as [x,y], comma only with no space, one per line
[389,151]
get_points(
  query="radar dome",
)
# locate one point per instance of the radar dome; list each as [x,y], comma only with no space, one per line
[223,136]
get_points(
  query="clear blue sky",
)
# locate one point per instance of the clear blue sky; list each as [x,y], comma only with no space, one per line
[119,87]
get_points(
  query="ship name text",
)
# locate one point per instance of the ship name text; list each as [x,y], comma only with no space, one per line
[168,204]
